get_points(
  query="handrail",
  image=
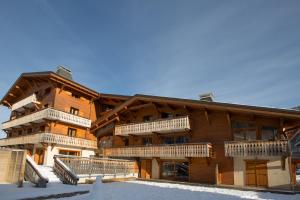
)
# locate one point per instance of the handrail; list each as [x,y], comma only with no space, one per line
[64,172]
[33,175]
[96,166]
[51,114]
[47,137]
[256,148]
[28,100]
[167,151]
[161,126]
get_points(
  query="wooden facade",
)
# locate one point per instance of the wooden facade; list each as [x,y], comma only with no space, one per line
[49,113]
[145,129]
[168,138]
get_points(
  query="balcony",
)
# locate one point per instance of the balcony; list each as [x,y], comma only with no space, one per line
[27,102]
[50,114]
[256,148]
[159,126]
[164,151]
[49,138]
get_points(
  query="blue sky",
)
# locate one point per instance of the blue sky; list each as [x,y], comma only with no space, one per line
[245,52]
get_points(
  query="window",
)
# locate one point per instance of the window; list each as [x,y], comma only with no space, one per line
[72,132]
[147,141]
[244,130]
[47,90]
[148,118]
[166,115]
[168,140]
[74,111]
[268,133]
[42,128]
[76,96]
[69,152]
[239,124]
[20,132]
[46,105]
[245,135]
[182,139]
[29,130]
[175,170]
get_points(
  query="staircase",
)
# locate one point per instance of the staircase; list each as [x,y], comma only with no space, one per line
[48,172]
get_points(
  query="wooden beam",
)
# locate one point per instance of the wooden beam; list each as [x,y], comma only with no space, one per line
[7,103]
[21,90]
[103,124]
[207,116]
[61,88]
[11,94]
[140,106]
[228,120]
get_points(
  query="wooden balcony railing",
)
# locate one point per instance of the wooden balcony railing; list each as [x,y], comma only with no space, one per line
[96,166]
[256,148]
[31,100]
[165,151]
[49,138]
[159,126]
[50,114]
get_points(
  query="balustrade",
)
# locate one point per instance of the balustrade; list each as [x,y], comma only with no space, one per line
[256,148]
[165,151]
[160,126]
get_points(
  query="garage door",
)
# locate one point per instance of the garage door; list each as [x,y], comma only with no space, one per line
[256,173]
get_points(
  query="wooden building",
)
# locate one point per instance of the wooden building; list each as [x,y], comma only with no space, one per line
[200,140]
[169,138]
[50,114]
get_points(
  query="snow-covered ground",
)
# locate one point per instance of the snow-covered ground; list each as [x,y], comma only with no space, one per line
[12,192]
[137,190]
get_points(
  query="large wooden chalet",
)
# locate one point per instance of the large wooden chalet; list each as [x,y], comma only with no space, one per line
[169,138]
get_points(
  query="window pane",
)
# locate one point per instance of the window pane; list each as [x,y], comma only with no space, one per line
[182,139]
[250,135]
[168,140]
[268,133]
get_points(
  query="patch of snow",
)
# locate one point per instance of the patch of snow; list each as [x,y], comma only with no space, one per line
[12,192]
[137,190]
[48,172]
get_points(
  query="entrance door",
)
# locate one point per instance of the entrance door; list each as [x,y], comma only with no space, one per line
[39,156]
[256,173]
[146,167]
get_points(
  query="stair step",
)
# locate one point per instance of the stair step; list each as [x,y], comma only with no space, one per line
[48,172]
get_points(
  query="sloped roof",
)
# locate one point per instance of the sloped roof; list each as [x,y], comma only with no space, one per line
[51,76]
[276,112]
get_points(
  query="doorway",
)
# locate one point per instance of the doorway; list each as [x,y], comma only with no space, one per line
[256,173]
[39,156]
[146,169]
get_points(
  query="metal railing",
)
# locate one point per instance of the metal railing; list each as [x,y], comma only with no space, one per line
[165,151]
[50,114]
[25,102]
[162,125]
[256,148]
[49,138]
